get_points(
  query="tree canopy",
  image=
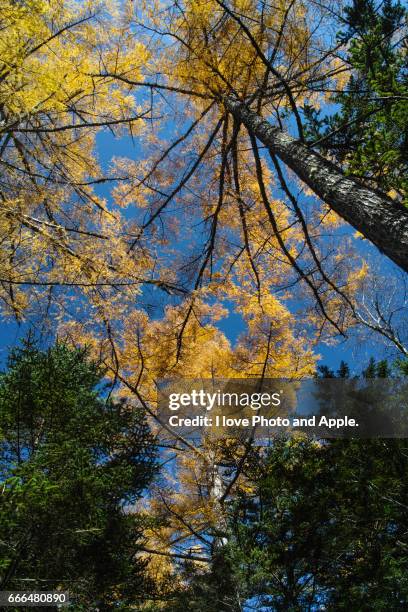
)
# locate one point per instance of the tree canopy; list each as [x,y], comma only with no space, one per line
[72,465]
[189,83]
[318,524]
[164,168]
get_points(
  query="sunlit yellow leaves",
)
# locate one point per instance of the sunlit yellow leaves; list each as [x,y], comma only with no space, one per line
[356,277]
[56,229]
[330,219]
[52,53]
[341,73]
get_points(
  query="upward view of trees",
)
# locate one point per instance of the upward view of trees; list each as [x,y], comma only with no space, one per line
[313,524]
[233,106]
[165,169]
[319,525]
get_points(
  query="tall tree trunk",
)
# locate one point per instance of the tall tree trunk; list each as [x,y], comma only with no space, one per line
[380,219]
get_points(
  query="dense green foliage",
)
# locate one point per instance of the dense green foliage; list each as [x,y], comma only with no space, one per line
[369,134]
[323,525]
[319,523]
[217,589]
[70,463]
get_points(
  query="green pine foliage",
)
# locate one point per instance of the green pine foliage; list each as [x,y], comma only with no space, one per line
[321,525]
[72,464]
[369,134]
[325,527]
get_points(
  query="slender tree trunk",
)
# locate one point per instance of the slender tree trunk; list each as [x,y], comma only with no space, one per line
[380,219]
